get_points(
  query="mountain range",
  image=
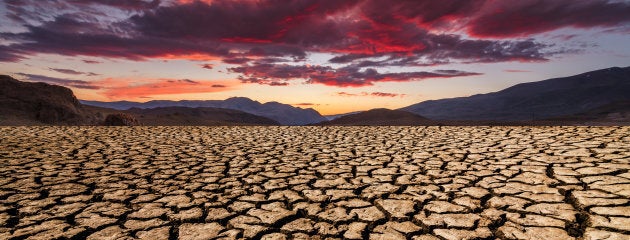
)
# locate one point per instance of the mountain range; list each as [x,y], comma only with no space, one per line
[26,103]
[534,100]
[282,113]
[380,117]
[202,116]
[599,97]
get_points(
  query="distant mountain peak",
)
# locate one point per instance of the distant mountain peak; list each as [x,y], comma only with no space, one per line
[283,113]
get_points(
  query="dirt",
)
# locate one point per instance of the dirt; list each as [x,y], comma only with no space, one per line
[314,182]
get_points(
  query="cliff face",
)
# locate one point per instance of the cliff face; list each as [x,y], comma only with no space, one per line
[39,102]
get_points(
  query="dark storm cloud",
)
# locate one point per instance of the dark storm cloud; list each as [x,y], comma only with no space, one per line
[121,4]
[260,36]
[341,77]
[525,17]
[234,21]
[72,38]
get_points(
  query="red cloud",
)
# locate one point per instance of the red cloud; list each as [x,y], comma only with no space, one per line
[274,74]
[361,33]
[233,31]
[129,88]
[121,89]
[384,94]
[505,19]
[373,94]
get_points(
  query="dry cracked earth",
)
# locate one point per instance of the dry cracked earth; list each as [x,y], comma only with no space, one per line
[315,182]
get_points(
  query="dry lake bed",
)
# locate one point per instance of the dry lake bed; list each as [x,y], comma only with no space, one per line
[315,182]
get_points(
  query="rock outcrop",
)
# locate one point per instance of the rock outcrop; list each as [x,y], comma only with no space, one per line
[45,103]
[121,119]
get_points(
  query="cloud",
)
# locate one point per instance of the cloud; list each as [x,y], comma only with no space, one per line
[305,104]
[342,77]
[120,4]
[235,31]
[504,19]
[67,36]
[269,41]
[515,71]
[73,72]
[372,94]
[235,21]
[184,81]
[444,49]
[8,54]
[122,89]
[63,82]
[239,60]
[129,89]
[384,94]
[91,62]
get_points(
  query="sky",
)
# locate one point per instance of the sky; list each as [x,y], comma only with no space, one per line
[330,55]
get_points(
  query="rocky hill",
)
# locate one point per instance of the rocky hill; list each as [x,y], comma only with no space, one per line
[535,100]
[617,113]
[26,103]
[380,117]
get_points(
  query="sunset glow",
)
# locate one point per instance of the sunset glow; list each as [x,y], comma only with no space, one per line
[333,56]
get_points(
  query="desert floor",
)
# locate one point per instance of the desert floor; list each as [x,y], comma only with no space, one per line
[322,182]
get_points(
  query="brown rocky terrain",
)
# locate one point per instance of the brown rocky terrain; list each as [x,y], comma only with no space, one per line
[314,182]
[25,103]
[121,119]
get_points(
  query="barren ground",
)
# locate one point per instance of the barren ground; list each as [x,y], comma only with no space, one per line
[322,182]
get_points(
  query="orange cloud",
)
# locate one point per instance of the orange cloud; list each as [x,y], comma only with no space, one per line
[372,94]
[191,57]
[125,89]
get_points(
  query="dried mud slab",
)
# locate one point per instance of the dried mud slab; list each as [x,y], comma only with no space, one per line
[314,182]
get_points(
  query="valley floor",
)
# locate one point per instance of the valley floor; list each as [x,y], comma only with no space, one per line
[323,182]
